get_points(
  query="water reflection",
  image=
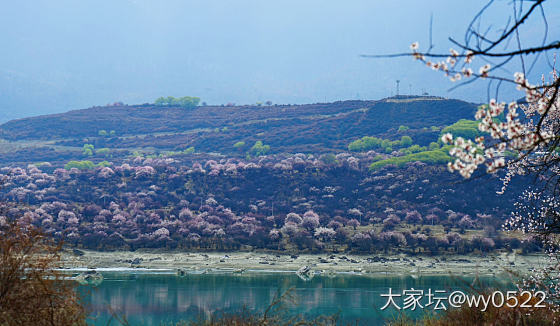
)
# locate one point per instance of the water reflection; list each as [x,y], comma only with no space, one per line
[150,299]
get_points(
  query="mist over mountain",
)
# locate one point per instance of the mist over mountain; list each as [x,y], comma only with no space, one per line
[243,52]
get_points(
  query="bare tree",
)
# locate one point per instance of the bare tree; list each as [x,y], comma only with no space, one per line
[32,292]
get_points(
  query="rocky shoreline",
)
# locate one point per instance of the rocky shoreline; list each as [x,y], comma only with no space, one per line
[498,264]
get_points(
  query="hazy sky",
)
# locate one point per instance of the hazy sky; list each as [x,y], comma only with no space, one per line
[58,55]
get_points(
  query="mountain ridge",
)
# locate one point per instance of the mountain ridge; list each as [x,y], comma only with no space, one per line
[111,117]
[307,128]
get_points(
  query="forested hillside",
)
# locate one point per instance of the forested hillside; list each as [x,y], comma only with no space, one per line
[344,176]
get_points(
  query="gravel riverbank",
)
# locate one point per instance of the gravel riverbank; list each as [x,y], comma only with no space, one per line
[488,265]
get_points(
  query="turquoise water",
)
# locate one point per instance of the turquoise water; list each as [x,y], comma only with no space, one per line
[155,298]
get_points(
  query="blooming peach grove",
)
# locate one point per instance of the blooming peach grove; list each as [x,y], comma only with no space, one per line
[278,202]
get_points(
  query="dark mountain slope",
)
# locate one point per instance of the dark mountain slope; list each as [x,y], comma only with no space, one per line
[310,128]
[145,119]
[338,118]
[317,133]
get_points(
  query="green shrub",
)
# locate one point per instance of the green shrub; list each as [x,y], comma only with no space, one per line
[385,143]
[403,128]
[186,102]
[104,163]
[104,133]
[432,157]
[259,149]
[414,149]
[239,145]
[80,165]
[368,143]
[189,150]
[364,144]
[88,150]
[467,129]
[406,141]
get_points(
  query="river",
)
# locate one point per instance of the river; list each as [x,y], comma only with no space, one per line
[153,298]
